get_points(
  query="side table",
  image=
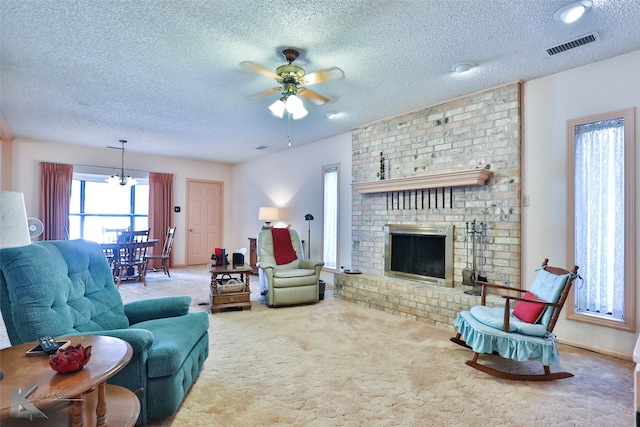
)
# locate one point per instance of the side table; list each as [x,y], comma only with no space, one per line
[108,356]
[240,299]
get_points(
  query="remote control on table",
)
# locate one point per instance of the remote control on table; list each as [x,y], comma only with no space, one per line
[48,344]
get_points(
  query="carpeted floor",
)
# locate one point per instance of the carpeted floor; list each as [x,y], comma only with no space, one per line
[339,364]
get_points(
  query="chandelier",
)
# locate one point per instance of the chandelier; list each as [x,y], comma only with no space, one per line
[122,179]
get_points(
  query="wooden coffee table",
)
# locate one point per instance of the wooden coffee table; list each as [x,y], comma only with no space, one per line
[108,356]
[241,299]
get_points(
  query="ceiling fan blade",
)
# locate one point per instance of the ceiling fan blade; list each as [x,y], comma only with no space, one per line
[260,69]
[265,92]
[322,76]
[312,96]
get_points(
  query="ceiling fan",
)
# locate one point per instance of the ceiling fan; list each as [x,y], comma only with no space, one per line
[292,77]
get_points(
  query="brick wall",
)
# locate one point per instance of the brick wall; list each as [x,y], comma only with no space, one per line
[435,305]
[478,130]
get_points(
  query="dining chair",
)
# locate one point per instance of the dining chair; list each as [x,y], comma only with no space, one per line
[165,255]
[110,235]
[130,259]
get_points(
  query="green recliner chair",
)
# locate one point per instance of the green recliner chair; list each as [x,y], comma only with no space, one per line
[289,283]
[63,288]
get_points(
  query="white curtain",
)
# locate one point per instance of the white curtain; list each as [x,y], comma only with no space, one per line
[330,218]
[599,217]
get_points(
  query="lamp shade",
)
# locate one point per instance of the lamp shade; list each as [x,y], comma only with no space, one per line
[268,214]
[295,107]
[14,229]
[277,108]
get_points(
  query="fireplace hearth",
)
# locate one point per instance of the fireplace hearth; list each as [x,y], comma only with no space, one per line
[422,253]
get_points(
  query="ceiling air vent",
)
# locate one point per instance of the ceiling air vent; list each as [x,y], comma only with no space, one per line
[581,41]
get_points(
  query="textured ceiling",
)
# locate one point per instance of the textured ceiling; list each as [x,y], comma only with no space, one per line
[165,75]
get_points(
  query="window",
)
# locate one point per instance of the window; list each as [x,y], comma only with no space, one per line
[330,235]
[601,208]
[96,204]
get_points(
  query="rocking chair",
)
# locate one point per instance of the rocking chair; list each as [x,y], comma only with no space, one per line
[522,333]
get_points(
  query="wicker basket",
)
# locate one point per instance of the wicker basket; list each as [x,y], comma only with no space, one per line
[231,285]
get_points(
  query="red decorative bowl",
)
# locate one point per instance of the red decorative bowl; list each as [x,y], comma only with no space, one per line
[70,359]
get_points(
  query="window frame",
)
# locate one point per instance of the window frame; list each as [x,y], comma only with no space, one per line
[326,168]
[629,321]
[82,215]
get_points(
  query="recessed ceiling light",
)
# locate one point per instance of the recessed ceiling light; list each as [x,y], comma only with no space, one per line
[332,114]
[573,11]
[462,67]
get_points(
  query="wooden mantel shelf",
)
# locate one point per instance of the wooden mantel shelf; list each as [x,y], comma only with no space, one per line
[465,178]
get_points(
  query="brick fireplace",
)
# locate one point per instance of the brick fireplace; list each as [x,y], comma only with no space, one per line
[422,253]
[428,156]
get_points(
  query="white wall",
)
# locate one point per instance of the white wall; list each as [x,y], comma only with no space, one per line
[27,155]
[292,181]
[549,102]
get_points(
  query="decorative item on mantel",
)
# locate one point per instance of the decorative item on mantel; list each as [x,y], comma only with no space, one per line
[381,175]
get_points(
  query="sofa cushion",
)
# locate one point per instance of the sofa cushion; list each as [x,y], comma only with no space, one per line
[295,272]
[491,316]
[173,340]
[58,288]
[494,318]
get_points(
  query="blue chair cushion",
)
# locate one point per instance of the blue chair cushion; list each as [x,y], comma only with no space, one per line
[548,287]
[510,345]
[494,317]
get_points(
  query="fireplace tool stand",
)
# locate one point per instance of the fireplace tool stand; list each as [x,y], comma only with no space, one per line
[474,231]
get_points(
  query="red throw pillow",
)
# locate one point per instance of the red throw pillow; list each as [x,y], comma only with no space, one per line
[528,311]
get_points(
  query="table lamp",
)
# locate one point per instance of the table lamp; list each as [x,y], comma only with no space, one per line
[267,215]
[14,229]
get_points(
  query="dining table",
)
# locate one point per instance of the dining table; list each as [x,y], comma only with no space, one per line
[113,246]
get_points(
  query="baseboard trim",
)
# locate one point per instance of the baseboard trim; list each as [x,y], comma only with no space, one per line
[615,354]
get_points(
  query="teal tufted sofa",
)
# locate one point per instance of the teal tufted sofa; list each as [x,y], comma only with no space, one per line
[66,288]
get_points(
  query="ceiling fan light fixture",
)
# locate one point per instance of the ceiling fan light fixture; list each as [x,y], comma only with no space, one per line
[573,11]
[300,114]
[291,76]
[294,104]
[277,108]
[295,107]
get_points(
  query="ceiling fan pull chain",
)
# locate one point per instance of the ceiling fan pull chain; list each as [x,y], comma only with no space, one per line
[289,128]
